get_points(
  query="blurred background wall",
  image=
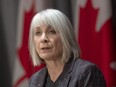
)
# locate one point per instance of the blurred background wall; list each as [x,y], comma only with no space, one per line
[15,17]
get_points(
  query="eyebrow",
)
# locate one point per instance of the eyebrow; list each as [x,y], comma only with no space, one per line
[37,28]
[48,27]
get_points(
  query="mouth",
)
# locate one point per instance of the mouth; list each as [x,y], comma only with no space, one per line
[43,48]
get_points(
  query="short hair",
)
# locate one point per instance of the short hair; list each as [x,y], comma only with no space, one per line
[60,23]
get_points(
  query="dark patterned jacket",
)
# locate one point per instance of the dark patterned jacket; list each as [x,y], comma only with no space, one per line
[76,73]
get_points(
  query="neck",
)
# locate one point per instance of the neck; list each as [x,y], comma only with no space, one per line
[55,68]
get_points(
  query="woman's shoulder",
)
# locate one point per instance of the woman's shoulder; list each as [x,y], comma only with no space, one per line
[39,72]
[84,63]
[38,75]
[87,72]
[85,66]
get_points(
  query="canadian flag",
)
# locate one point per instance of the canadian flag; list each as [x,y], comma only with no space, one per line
[95,36]
[23,64]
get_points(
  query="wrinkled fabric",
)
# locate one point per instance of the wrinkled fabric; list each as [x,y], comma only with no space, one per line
[76,73]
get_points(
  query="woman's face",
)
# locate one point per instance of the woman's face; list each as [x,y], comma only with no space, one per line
[47,43]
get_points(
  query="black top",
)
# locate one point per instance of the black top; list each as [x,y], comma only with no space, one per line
[50,83]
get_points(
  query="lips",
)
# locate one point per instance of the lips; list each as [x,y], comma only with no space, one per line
[43,48]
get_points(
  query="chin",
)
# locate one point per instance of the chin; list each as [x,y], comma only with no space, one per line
[44,57]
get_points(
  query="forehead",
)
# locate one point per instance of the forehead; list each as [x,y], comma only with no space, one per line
[40,23]
[43,26]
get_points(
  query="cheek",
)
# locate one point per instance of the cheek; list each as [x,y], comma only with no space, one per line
[58,49]
[36,43]
[58,44]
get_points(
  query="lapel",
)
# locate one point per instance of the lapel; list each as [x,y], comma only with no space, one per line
[40,82]
[66,74]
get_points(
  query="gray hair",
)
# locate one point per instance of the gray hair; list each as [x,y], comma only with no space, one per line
[60,23]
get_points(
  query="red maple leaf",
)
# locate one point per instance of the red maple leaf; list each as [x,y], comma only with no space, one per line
[88,37]
[95,46]
[23,52]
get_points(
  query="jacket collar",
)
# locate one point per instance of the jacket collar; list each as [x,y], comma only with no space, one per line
[65,75]
[40,82]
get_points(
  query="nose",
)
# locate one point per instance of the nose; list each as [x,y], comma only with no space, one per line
[44,38]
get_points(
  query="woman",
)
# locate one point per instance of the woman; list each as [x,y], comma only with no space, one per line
[52,41]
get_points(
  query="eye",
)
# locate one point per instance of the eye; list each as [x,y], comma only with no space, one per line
[52,31]
[38,33]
